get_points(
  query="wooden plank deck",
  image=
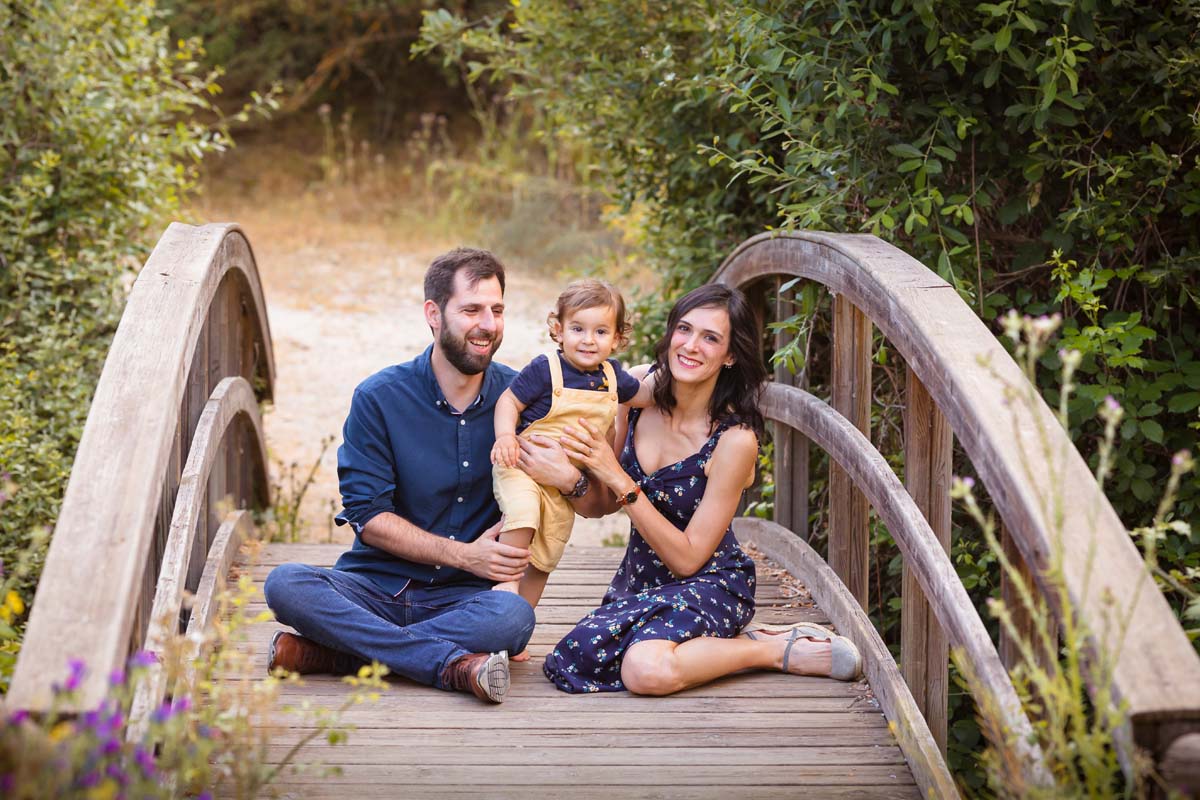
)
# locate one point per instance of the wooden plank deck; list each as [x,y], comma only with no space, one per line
[750,735]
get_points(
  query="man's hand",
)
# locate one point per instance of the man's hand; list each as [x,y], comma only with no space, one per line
[506,450]
[490,558]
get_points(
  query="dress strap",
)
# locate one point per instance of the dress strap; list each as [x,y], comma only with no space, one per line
[723,425]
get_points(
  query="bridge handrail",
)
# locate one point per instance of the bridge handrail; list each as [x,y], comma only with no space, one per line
[953,357]
[195,315]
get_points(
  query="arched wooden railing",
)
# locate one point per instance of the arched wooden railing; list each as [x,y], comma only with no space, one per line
[956,373]
[172,450]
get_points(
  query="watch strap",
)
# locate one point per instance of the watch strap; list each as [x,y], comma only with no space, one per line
[629,497]
[581,487]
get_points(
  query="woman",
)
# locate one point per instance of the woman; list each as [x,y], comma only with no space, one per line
[672,615]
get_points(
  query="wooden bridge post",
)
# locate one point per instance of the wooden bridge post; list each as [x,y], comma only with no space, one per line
[849,541]
[791,447]
[1010,652]
[924,654]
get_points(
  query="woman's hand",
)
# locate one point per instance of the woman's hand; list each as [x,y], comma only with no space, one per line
[590,447]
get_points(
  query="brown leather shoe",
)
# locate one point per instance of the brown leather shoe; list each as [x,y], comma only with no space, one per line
[294,653]
[484,675]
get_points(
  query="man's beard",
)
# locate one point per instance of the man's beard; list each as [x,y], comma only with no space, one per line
[456,352]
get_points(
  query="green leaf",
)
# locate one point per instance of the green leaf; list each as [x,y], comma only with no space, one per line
[905,150]
[1003,39]
[909,166]
[1142,490]
[1025,22]
[1152,430]
[1183,403]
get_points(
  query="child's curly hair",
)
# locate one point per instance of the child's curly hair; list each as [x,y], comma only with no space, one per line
[590,293]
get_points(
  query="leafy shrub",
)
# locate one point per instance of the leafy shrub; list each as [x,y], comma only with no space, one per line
[1036,155]
[97,146]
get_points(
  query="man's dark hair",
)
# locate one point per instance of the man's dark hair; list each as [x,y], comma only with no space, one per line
[479,264]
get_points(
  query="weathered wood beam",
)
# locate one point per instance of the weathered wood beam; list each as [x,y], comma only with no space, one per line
[924,655]
[849,533]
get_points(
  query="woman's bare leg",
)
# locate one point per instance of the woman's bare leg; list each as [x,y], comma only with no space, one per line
[659,667]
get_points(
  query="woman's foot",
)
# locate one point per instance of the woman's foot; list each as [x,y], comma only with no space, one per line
[824,652]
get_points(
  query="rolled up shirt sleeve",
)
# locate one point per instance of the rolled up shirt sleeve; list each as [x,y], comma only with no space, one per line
[365,473]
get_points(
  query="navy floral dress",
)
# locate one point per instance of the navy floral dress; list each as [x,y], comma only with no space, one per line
[644,600]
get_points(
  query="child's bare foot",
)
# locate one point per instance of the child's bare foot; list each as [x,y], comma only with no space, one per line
[507,586]
[521,656]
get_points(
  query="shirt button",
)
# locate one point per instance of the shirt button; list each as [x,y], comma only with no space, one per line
[459,500]
[466,463]
[462,422]
[451,537]
[438,567]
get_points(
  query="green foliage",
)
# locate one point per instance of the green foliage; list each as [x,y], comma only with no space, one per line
[97,143]
[981,138]
[321,51]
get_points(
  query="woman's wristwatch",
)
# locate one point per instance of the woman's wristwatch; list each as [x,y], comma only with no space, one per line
[629,497]
[581,487]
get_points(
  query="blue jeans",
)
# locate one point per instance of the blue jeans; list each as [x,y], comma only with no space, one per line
[416,633]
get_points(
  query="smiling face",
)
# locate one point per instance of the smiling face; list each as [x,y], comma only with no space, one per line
[588,336]
[699,346]
[468,331]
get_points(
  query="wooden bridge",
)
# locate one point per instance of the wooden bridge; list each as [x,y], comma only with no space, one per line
[173,455]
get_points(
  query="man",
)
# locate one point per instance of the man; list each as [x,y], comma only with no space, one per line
[413,592]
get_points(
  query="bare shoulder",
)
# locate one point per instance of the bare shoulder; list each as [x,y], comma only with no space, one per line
[737,441]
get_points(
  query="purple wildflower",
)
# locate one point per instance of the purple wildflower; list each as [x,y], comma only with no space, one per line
[17,717]
[1112,403]
[78,670]
[1181,458]
[181,705]
[204,796]
[89,780]
[117,773]
[111,747]
[116,677]
[163,712]
[142,659]
[92,718]
[969,482]
[144,759]
[8,784]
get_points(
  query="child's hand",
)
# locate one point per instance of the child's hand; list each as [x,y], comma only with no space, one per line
[506,450]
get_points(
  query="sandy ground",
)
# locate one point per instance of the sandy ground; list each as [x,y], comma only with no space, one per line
[344,300]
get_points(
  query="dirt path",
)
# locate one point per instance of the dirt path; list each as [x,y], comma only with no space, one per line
[344,300]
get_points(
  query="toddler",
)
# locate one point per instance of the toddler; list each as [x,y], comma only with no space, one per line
[552,392]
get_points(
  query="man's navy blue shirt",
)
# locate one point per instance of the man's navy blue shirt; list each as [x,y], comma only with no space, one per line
[406,450]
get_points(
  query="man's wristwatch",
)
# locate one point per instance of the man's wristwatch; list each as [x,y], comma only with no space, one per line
[628,497]
[581,487]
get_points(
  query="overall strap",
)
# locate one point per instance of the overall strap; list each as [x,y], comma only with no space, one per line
[556,375]
[610,375]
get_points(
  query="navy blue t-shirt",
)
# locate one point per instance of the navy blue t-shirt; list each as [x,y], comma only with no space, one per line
[533,385]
